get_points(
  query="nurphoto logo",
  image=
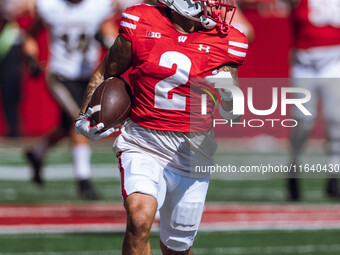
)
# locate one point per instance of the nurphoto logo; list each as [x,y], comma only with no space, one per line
[289,96]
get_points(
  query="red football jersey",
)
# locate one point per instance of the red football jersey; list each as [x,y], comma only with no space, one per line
[169,67]
[317,23]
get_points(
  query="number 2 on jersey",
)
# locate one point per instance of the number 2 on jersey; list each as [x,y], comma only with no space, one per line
[163,88]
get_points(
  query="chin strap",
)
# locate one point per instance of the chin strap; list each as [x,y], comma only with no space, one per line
[224,29]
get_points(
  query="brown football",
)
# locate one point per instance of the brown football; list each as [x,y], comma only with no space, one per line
[111,102]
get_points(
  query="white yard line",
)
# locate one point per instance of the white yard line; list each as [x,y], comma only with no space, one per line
[56,172]
[66,171]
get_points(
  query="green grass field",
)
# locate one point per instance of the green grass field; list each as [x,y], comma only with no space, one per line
[245,190]
[207,243]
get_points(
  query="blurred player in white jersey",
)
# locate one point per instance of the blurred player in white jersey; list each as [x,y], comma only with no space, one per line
[74,54]
[176,50]
[122,4]
[316,67]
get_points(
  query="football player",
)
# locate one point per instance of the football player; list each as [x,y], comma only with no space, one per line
[176,50]
[316,61]
[74,54]
[316,67]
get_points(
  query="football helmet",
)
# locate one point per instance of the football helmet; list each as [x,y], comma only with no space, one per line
[209,12]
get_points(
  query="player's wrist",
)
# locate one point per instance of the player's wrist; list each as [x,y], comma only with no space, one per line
[81,115]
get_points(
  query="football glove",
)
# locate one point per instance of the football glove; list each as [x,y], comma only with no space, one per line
[94,133]
[220,80]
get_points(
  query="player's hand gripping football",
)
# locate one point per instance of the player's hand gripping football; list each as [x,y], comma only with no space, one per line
[219,80]
[94,133]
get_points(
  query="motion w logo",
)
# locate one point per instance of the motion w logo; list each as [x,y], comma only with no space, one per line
[182,39]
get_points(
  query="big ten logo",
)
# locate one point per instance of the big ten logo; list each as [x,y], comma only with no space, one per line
[153,34]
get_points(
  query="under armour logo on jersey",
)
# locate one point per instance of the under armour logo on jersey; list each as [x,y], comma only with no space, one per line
[182,39]
[200,48]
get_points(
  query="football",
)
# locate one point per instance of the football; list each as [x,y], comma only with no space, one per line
[111,103]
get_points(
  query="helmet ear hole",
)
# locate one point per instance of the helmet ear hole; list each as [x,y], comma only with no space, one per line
[207,23]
